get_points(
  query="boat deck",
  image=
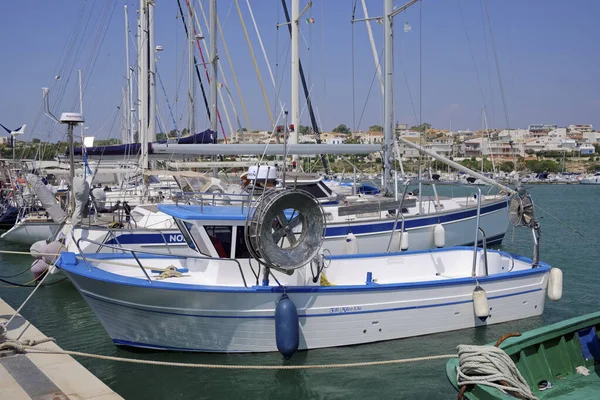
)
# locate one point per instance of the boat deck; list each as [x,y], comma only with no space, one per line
[44,376]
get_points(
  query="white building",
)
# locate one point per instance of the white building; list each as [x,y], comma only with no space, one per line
[514,134]
[581,128]
[591,137]
[335,139]
[587,149]
[442,145]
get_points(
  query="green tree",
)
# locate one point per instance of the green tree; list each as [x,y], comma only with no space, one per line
[507,166]
[376,128]
[35,140]
[425,126]
[342,129]
[303,130]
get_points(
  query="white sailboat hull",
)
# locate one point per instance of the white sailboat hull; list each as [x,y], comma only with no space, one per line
[29,233]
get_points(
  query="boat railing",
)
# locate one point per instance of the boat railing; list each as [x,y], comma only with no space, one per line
[214,199]
[477,219]
[484,245]
[399,214]
[135,253]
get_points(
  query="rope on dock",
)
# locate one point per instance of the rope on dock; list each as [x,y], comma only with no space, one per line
[27,348]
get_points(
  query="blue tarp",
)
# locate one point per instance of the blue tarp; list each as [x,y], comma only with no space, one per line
[134,148]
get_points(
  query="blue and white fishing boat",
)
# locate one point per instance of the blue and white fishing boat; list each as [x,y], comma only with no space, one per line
[260,282]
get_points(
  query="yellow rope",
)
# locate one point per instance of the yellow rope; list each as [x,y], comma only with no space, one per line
[324,281]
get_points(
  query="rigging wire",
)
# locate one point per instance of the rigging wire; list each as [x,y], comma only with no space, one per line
[370,89]
[472,54]
[353,73]
[497,65]
[487,65]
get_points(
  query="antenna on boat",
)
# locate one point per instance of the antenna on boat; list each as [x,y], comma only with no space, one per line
[71,119]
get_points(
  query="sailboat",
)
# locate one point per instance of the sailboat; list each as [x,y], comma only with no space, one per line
[366,223]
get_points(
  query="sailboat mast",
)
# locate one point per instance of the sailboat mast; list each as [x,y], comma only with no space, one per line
[151,76]
[213,64]
[388,98]
[191,80]
[295,114]
[127,103]
[143,83]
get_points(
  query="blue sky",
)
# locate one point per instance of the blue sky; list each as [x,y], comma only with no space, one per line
[547,51]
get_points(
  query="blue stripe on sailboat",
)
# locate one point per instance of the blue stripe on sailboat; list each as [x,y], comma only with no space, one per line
[369,227]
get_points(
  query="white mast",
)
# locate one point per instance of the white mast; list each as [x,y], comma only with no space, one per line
[81,106]
[212,28]
[373,48]
[191,79]
[127,98]
[143,84]
[213,71]
[151,76]
[295,115]
[388,98]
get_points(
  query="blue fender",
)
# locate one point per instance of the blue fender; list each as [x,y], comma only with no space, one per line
[287,328]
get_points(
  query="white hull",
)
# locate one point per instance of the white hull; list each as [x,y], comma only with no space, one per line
[29,233]
[460,227]
[185,316]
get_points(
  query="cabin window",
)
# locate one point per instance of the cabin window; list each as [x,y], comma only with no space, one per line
[220,236]
[241,251]
[315,190]
[184,227]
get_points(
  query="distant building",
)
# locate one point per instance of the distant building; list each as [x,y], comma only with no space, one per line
[335,139]
[373,138]
[586,149]
[541,128]
[514,134]
[581,128]
[4,140]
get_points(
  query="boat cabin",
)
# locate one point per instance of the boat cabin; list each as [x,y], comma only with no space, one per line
[214,231]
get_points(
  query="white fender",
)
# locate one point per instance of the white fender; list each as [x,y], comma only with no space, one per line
[555,284]
[351,245]
[480,304]
[404,241]
[37,249]
[38,268]
[52,251]
[439,236]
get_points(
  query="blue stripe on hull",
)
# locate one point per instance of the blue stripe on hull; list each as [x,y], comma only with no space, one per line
[384,310]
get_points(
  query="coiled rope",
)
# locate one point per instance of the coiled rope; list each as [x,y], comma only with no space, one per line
[490,366]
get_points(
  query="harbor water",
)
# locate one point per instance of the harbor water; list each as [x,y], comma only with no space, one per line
[570,220]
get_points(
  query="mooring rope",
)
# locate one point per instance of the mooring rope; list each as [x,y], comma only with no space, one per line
[28,347]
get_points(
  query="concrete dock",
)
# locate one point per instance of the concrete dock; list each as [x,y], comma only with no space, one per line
[44,376]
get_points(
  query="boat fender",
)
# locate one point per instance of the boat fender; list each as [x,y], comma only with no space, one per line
[480,304]
[555,284]
[404,241]
[439,236]
[351,245]
[52,251]
[287,327]
[37,249]
[38,269]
